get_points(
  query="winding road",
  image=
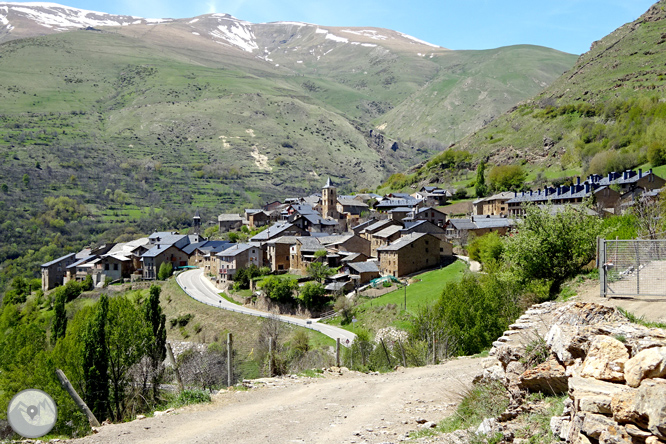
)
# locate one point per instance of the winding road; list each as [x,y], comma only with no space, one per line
[195,284]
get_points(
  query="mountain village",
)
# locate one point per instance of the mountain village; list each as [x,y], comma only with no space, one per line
[400,235]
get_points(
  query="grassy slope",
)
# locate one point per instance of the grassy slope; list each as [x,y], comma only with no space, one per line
[472,88]
[384,311]
[625,65]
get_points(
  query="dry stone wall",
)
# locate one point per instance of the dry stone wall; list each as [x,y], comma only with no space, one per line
[613,371]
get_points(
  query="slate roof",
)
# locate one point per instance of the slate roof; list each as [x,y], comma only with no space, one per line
[364,224]
[335,239]
[157,250]
[481,222]
[402,242]
[352,203]
[61,258]
[235,250]
[82,261]
[364,267]
[378,225]
[230,218]
[271,232]
[309,243]
[388,231]
[401,210]
[392,203]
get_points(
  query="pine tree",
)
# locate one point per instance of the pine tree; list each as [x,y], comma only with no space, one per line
[157,323]
[480,187]
[60,320]
[96,361]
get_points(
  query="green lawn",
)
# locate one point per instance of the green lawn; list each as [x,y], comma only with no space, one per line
[423,292]
[386,310]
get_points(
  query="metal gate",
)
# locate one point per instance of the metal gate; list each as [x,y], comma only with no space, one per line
[632,267]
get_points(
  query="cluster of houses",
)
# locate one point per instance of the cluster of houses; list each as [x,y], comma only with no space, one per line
[363,236]
[612,194]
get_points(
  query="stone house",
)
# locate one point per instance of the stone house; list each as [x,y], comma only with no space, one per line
[409,254]
[278,230]
[384,237]
[229,222]
[460,229]
[423,226]
[346,243]
[366,271]
[257,218]
[495,205]
[235,257]
[373,228]
[159,254]
[302,253]
[278,253]
[53,272]
[430,214]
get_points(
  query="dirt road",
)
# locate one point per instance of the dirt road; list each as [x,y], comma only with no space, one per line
[345,407]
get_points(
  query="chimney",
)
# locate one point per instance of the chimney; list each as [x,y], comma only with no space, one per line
[610,176]
[530,192]
[640,173]
[578,180]
[559,190]
[545,191]
[572,189]
[625,175]
[158,246]
[515,194]
[587,188]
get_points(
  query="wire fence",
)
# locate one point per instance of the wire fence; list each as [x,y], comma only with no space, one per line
[632,268]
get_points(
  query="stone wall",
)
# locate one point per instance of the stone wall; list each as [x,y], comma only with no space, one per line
[612,370]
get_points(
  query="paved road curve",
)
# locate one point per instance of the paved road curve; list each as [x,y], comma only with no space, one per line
[198,287]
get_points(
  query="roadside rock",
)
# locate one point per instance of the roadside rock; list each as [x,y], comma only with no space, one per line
[548,377]
[650,363]
[605,359]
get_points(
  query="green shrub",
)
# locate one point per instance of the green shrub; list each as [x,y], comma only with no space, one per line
[165,271]
[188,397]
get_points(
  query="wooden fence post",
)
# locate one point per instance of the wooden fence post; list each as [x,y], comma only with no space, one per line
[230,367]
[337,352]
[77,399]
[175,367]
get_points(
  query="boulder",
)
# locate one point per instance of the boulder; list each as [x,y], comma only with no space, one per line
[623,407]
[594,425]
[653,440]
[548,377]
[634,431]
[605,359]
[650,363]
[559,425]
[615,435]
[650,403]
[558,339]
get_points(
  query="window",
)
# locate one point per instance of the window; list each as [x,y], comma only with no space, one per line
[115,267]
[106,266]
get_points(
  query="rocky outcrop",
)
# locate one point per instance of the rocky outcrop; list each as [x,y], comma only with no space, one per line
[613,371]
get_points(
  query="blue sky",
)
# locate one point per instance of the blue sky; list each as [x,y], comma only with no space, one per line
[567,25]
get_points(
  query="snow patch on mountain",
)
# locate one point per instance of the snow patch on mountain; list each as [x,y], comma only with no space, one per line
[371,33]
[423,42]
[52,15]
[336,38]
[237,34]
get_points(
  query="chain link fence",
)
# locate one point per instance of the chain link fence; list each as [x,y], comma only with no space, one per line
[632,268]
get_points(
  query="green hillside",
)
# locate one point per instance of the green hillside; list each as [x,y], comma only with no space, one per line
[605,114]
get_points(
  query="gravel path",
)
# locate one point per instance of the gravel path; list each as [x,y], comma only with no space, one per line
[342,407]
